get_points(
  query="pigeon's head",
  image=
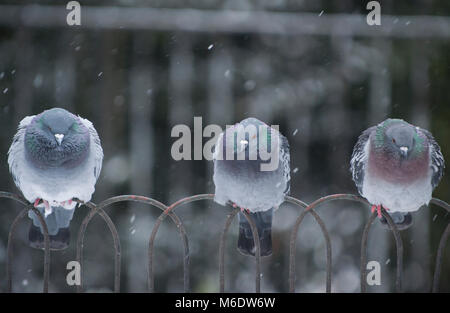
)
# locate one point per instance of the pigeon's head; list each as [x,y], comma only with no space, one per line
[245,139]
[56,138]
[399,139]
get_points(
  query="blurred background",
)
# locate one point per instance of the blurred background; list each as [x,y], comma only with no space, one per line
[137,68]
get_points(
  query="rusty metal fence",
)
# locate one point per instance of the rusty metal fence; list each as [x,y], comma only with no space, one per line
[170,211]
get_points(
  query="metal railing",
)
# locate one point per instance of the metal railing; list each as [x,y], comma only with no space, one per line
[170,211]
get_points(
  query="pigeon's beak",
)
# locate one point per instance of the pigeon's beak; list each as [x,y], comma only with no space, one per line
[243,143]
[59,138]
[404,151]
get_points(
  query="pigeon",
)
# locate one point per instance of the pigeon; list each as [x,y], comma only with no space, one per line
[397,165]
[55,157]
[246,177]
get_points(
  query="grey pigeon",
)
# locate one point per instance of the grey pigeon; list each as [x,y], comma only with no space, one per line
[246,177]
[55,157]
[397,165]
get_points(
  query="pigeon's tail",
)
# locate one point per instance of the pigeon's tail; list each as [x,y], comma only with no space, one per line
[263,222]
[402,220]
[60,241]
[58,228]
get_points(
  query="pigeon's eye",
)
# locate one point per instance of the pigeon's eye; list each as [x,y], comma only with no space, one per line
[46,128]
[393,140]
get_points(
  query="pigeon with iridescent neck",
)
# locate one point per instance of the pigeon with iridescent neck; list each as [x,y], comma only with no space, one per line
[55,157]
[396,165]
[251,171]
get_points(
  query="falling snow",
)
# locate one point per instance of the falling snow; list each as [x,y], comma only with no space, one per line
[249,85]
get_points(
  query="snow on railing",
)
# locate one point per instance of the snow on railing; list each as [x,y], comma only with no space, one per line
[170,211]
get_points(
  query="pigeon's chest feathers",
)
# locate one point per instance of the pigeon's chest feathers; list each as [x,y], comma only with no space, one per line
[384,165]
[44,154]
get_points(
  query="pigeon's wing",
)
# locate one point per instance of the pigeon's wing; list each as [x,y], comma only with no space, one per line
[15,153]
[95,146]
[359,158]
[218,148]
[285,158]
[437,159]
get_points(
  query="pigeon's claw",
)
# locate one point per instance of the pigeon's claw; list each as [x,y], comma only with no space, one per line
[245,210]
[379,210]
[36,202]
[374,207]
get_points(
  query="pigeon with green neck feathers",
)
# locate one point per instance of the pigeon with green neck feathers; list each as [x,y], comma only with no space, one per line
[55,157]
[396,165]
[251,171]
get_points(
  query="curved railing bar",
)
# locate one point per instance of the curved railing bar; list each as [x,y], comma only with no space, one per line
[363,256]
[168,211]
[293,242]
[223,238]
[12,231]
[21,200]
[222,243]
[172,215]
[398,241]
[151,242]
[398,246]
[442,244]
[80,242]
[257,251]
[13,196]
[175,219]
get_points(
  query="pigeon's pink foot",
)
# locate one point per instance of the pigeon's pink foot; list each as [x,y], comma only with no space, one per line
[63,203]
[234,205]
[245,210]
[379,210]
[374,207]
[36,202]
[70,202]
